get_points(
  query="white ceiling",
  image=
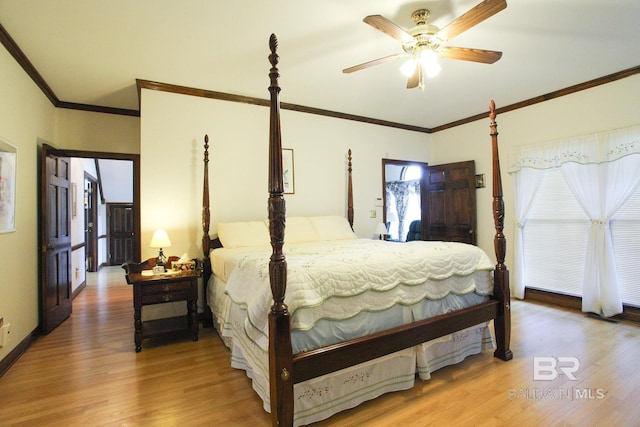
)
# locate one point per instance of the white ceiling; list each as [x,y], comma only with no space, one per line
[92,51]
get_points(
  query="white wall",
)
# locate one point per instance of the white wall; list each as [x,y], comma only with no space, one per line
[117,180]
[87,131]
[26,118]
[609,106]
[172,131]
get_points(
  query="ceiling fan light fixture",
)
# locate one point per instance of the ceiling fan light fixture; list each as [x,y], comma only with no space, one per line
[432,70]
[429,61]
[409,67]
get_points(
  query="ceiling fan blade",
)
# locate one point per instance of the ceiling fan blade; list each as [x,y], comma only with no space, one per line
[414,80]
[381,23]
[474,55]
[372,63]
[472,17]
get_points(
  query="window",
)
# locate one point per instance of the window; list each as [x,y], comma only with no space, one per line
[625,229]
[577,206]
[555,238]
[555,241]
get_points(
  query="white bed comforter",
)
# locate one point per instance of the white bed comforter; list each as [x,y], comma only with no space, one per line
[338,279]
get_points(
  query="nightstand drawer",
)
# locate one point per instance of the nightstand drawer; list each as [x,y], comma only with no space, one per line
[179,295]
[161,288]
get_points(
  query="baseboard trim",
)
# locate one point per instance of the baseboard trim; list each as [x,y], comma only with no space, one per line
[79,289]
[15,354]
[629,313]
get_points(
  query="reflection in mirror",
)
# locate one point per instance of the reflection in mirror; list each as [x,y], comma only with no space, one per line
[402,195]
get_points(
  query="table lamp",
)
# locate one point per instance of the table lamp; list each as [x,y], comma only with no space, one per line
[160,240]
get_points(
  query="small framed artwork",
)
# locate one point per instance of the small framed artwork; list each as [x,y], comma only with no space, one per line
[287,171]
[8,162]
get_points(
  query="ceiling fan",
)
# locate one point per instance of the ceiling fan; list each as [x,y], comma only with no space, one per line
[424,43]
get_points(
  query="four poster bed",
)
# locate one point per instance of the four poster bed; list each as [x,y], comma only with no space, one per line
[330,320]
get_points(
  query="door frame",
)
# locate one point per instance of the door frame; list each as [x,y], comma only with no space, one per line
[135,158]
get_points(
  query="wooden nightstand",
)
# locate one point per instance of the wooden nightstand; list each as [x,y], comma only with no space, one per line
[158,289]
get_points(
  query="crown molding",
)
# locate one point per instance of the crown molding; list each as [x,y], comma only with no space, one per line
[28,67]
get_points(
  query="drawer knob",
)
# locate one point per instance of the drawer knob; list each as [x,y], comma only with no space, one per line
[166,297]
[166,288]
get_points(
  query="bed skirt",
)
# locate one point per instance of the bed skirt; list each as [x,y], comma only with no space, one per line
[319,398]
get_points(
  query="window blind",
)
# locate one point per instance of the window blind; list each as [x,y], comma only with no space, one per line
[555,241]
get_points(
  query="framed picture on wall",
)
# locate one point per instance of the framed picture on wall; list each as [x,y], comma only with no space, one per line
[287,171]
[8,161]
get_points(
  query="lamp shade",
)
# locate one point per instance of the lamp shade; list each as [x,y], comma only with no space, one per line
[160,239]
[381,228]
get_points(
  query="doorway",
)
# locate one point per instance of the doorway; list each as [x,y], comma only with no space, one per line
[403,183]
[439,200]
[74,270]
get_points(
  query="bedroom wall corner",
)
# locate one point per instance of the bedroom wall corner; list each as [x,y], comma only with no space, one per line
[610,106]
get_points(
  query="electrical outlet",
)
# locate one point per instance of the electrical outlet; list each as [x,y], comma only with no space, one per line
[5,330]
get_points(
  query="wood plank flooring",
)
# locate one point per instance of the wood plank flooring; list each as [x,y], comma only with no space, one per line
[87,373]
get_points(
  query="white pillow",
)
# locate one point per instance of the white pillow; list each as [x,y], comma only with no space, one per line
[332,227]
[299,229]
[243,234]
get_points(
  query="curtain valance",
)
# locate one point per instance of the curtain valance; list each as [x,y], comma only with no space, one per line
[596,148]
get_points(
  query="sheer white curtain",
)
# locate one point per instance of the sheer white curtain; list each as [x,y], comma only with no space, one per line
[527,181]
[602,170]
[601,189]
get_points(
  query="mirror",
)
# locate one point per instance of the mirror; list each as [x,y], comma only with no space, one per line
[403,185]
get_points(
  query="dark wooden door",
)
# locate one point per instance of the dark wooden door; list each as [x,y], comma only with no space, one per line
[449,203]
[55,239]
[120,232]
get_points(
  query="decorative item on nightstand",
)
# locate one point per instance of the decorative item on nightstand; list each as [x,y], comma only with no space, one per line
[381,231]
[160,240]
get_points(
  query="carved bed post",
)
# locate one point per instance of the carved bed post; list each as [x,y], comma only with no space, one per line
[207,316]
[502,322]
[349,191]
[205,201]
[280,350]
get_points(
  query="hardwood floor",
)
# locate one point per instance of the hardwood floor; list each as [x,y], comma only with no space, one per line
[86,372]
